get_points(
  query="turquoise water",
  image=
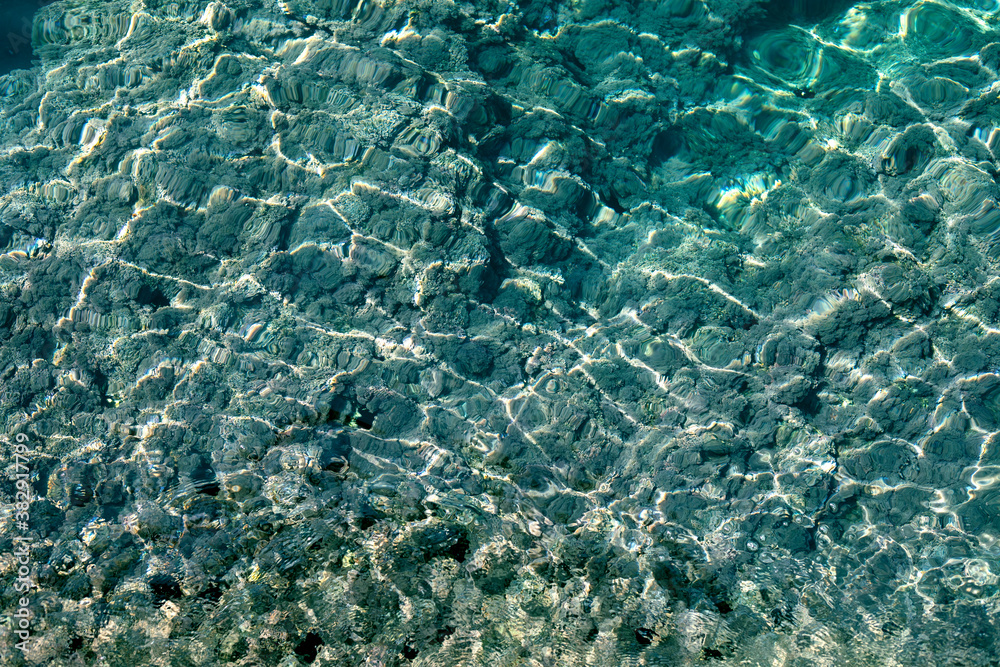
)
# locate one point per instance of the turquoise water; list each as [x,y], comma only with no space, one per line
[15,33]
[550,333]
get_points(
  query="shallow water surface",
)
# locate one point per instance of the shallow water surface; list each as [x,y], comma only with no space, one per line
[343,332]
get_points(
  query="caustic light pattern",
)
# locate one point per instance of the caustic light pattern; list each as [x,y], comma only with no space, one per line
[375,332]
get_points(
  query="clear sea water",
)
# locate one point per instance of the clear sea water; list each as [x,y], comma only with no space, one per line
[575,332]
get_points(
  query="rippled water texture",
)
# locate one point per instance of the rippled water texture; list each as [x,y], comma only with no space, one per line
[374,332]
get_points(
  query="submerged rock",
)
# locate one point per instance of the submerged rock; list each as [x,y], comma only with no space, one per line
[344,332]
